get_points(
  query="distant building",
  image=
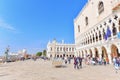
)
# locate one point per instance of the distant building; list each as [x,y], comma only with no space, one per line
[22,53]
[55,49]
[97,29]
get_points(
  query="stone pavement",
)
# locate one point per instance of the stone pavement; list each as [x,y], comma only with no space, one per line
[44,70]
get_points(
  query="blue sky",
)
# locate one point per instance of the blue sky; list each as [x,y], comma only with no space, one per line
[30,24]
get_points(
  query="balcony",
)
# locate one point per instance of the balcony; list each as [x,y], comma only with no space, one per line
[116,5]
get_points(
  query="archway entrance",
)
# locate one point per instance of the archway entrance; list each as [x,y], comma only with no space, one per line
[96,53]
[82,54]
[67,55]
[61,56]
[57,56]
[73,56]
[104,54]
[86,54]
[90,53]
[114,51]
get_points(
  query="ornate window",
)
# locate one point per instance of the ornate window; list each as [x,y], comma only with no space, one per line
[100,37]
[51,48]
[86,21]
[96,37]
[104,34]
[86,41]
[64,49]
[93,39]
[78,28]
[69,49]
[72,49]
[114,30]
[57,48]
[100,7]
[90,39]
[119,25]
[60,48]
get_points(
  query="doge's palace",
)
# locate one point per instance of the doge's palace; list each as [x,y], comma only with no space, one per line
[97,29]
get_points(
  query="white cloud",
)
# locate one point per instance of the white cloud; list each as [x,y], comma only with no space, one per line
[7,26]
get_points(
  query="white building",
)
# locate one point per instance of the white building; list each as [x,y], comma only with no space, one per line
[55,49]
[22,52]
[97,29]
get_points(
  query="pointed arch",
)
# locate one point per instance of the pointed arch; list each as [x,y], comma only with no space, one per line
[104,54]
[114,51]
[96,53]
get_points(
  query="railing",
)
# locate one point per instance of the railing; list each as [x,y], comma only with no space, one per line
[98,43]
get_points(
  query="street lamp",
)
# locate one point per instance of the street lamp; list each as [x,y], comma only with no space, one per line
[6,54]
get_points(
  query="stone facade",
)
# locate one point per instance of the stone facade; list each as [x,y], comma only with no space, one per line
[97,29]
[55,49]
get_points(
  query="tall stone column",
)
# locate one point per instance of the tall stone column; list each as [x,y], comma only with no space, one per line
[110,59]
[93,52]
[93,56]
[84,53]
[109,56]
[99,52]
[100,56]
[88,52]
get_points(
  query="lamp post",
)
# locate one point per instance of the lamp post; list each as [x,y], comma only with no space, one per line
[6,54]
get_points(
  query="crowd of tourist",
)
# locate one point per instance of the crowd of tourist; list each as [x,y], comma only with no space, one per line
[116,63]
[96,61]
[77,62]
[88,60]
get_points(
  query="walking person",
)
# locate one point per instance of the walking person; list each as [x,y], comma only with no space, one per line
[69,60]
[80,62]
[114,60]
[119,62]
[104,61]
[116,65]
[76,63]
[65,60]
